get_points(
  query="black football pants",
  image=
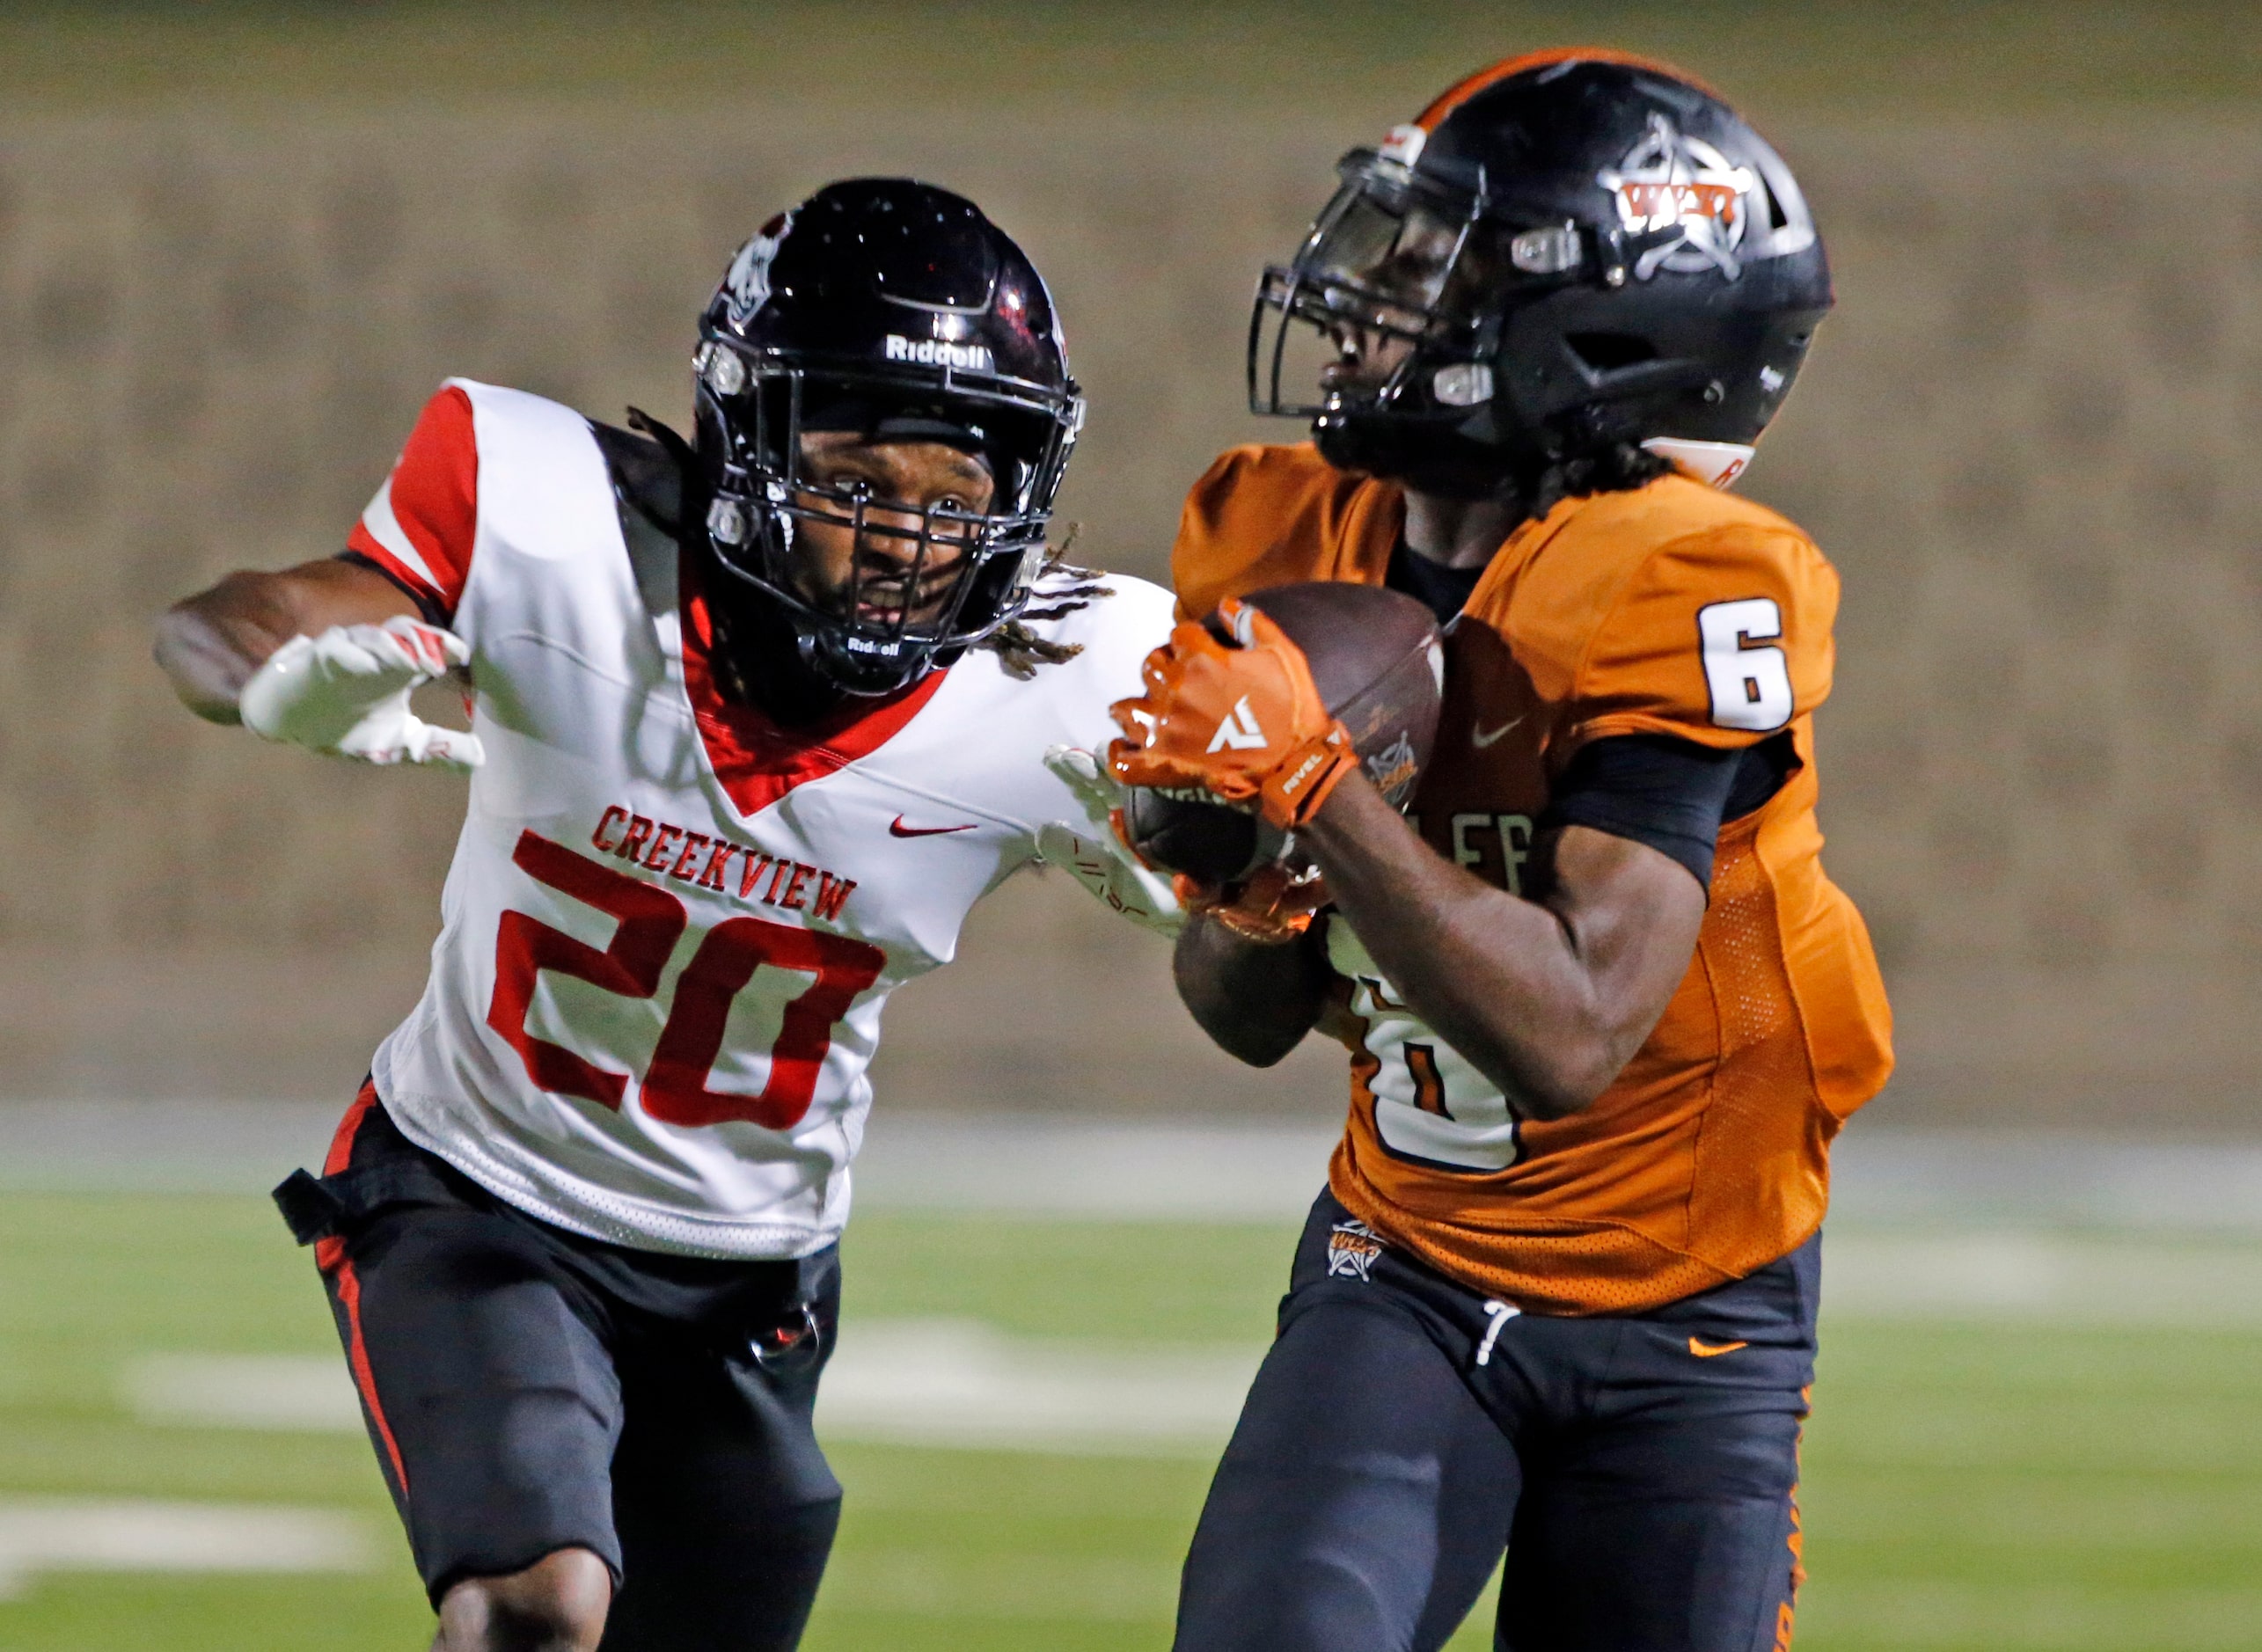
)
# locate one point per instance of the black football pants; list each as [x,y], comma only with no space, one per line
[528,1390]
[1638,1470]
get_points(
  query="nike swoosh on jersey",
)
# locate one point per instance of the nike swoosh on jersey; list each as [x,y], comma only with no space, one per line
[897,829]
[1713,1350]
[1481,739]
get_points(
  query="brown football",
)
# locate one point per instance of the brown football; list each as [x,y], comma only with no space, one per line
[1378,663]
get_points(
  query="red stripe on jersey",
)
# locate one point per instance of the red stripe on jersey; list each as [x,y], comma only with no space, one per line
[435,499]
[759,762]
[361,540]
[357,1356]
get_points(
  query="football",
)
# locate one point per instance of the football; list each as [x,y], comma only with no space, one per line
[1377,662]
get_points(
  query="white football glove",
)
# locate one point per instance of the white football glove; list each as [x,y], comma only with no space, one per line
[1090,851]
[346,693]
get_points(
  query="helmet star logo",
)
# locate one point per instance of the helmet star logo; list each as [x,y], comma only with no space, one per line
[1671,184]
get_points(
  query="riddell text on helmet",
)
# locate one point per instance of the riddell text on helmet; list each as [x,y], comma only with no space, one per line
[939,353]
[691,857]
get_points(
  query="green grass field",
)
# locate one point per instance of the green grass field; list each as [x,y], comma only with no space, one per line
[1967,1486]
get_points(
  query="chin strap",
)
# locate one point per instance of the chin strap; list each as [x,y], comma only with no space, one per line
[691,509]
[1715,463]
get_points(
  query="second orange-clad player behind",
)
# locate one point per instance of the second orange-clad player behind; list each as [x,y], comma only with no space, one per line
[1606,1010]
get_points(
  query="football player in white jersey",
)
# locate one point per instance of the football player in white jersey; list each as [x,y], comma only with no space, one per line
[755,719]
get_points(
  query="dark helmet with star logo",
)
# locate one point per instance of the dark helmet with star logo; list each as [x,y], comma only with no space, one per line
[896,311]
[1568,253]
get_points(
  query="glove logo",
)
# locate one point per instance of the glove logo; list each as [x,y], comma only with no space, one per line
[1238,731]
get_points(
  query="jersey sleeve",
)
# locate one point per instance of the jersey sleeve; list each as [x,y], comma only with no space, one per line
[1722,637]
[420,528]
[1668,793]
[1271,515]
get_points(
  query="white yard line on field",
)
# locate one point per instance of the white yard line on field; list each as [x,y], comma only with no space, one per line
[954,1382]
[907,1382]
[278,1392]
[2099,1280]
[88,1534]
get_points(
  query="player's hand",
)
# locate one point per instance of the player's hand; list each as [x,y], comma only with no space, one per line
[1094,852]
[1099,793]
[1240,718]
[346,693]
[1272,907]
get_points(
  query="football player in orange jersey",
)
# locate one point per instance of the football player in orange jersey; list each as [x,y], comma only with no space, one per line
[1606,1010]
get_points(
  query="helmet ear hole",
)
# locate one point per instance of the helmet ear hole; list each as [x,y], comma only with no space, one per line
[1607,352]
[1776,216]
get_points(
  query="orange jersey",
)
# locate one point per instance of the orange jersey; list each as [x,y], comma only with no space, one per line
[1670,609]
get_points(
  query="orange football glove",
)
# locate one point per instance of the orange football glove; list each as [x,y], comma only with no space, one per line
[1271,906]
[1241,719]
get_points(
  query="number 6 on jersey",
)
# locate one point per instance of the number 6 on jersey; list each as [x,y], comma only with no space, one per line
[1751,686]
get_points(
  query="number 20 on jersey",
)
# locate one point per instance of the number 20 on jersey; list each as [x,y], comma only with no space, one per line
[650,922]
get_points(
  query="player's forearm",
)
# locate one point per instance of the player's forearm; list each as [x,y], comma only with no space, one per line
[208,645]
[1513,985]
[1254,1001]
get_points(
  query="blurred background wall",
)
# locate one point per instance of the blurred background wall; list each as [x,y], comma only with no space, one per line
[239,244]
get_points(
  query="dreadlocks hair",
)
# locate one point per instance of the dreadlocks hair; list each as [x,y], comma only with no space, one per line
[1020,650]
[1597,458]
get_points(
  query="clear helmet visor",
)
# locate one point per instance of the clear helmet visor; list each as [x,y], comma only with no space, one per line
[1383,255]
[1381,273]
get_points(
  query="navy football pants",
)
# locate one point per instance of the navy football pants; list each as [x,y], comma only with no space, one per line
[1638,1470]
[528,1390]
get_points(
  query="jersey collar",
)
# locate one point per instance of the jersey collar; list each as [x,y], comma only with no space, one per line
[757,760]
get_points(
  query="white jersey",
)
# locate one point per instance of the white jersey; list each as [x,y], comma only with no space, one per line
[670,926]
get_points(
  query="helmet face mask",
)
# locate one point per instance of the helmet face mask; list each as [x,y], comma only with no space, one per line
[1383,251]
[1569,253]
[881,312]
[1399,279]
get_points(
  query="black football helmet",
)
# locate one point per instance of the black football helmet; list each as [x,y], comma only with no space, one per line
[896,310]
[1573,248]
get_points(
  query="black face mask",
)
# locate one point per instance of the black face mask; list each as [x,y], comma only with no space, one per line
[762,497]
[759,655]
[760,658]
